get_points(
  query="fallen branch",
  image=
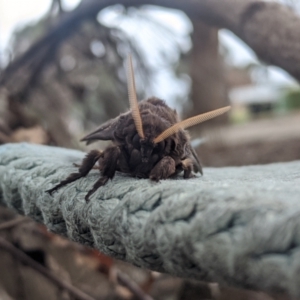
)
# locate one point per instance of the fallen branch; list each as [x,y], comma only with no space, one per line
[21,256]
[134,288]
[12,223]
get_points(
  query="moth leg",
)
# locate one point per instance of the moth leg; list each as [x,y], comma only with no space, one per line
[163,169]
[123,165]
[135,158]
[187,166]
[197,163]
[87,164]
[93,168]
[108,166]
[100,182]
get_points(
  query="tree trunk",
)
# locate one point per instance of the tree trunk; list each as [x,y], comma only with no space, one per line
[206,69]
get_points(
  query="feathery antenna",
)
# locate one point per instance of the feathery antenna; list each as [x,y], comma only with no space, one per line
[190,122]
[133,99]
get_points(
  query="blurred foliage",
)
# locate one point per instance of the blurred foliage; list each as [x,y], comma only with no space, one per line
[76,79]
[292,99]
[71,86]
[81,82]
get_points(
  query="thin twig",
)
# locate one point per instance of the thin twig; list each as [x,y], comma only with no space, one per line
[132,286]
[12,223]
[21,256]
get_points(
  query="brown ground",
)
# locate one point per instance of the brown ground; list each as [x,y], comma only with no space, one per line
[258,142]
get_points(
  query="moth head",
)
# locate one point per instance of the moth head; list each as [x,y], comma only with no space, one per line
[146,141]
[153,125]
[147,147]
[155,135]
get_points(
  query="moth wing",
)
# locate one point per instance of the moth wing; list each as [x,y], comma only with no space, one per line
[196,161]
[105,132]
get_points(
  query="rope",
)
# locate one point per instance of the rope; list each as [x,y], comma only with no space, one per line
[237,226]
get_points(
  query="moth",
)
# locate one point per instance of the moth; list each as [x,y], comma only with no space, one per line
[148,141]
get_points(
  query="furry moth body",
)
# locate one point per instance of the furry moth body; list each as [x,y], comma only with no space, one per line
[148,141]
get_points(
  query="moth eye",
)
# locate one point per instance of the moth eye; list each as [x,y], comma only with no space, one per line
[173,145]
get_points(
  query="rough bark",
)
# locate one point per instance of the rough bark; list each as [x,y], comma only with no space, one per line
[237,226]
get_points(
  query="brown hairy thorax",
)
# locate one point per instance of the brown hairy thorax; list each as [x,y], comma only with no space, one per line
[148,141]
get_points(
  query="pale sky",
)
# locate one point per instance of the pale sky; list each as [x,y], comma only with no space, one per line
[15,13]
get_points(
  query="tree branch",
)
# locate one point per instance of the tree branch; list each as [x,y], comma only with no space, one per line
[236,226]
[270,29]
[21,256]
[132,286]
[12,223]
